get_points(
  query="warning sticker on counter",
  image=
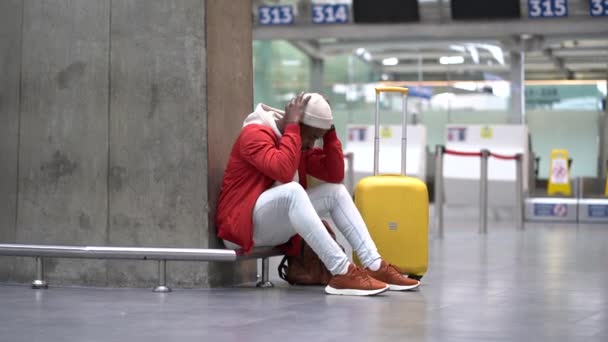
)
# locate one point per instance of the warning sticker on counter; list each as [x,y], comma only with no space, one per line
[486,132]
[551,210]
[559,171]
[386,132]
[598,210]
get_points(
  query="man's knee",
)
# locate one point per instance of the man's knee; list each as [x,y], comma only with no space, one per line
[334,188]
[295,190]
[292,186]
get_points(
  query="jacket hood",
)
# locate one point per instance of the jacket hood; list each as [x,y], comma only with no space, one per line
[266,116]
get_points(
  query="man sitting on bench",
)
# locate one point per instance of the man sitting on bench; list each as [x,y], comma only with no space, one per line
[264,201]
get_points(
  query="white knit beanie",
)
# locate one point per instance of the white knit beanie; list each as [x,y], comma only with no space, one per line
[317,113]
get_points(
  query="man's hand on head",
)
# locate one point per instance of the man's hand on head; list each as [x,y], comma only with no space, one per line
[332,128]
[295,109]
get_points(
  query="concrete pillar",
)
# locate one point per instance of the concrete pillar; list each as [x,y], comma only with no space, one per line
[10,70]
[229,100]
[317,71]
[63,134]
[517,108]
[157,180]
[117,130]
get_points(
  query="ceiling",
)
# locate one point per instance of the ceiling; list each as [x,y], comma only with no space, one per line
[559,59]
[560,48]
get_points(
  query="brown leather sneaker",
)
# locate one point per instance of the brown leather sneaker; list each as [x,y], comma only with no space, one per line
[356,282]
[392,276]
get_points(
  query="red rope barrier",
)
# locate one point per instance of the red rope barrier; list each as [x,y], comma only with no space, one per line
[478,154]
[503,156]
[463,154]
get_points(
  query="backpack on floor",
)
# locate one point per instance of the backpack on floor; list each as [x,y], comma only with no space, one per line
[301,265]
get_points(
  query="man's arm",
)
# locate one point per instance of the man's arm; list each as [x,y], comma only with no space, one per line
[258,145]
[259,149]
[327,164]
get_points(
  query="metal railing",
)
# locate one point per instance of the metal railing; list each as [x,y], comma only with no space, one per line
[349,182]
[484,154]
[162,255]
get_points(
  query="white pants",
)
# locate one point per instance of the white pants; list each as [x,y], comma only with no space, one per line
[287,209]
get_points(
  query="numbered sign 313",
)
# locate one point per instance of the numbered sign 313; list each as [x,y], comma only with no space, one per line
[275,15]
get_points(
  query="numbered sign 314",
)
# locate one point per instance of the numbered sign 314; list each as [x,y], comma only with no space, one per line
[330,14]
[547,8]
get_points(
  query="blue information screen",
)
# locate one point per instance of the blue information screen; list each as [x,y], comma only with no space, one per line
[330,14]
[547,8]
[598,8]
[275,15]
[420,91]
[598,210]
[550,210]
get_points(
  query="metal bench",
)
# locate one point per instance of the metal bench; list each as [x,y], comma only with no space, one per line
[138,253]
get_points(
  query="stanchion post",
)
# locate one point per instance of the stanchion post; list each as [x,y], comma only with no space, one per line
[439,149]
[519,191]
[483,192]
[350,176]
[162,278]
[265,281]
[39,282]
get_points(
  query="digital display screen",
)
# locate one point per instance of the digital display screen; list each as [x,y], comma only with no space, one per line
[485,9]
[385,11]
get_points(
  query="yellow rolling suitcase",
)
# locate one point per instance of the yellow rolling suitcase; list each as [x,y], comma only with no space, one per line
[396,207]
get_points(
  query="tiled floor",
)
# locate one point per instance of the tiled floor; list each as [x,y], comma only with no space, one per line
[548,283]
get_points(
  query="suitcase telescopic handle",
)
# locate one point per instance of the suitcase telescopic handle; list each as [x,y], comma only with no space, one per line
[404,92]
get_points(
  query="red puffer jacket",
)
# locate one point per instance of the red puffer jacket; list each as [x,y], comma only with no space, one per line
[258,159]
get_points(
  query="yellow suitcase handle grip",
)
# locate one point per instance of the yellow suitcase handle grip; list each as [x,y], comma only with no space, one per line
[383,89]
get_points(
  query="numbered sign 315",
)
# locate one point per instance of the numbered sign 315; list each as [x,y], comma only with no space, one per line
[598,8]
[547,8]
[275,15]
[330,14]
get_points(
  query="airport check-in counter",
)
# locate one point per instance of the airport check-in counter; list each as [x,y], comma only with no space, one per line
[462,174]
[360,142]
[593,202]
[586,204]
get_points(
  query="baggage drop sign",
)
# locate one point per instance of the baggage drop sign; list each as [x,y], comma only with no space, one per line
[598,211]
[357,134]
[457,134]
